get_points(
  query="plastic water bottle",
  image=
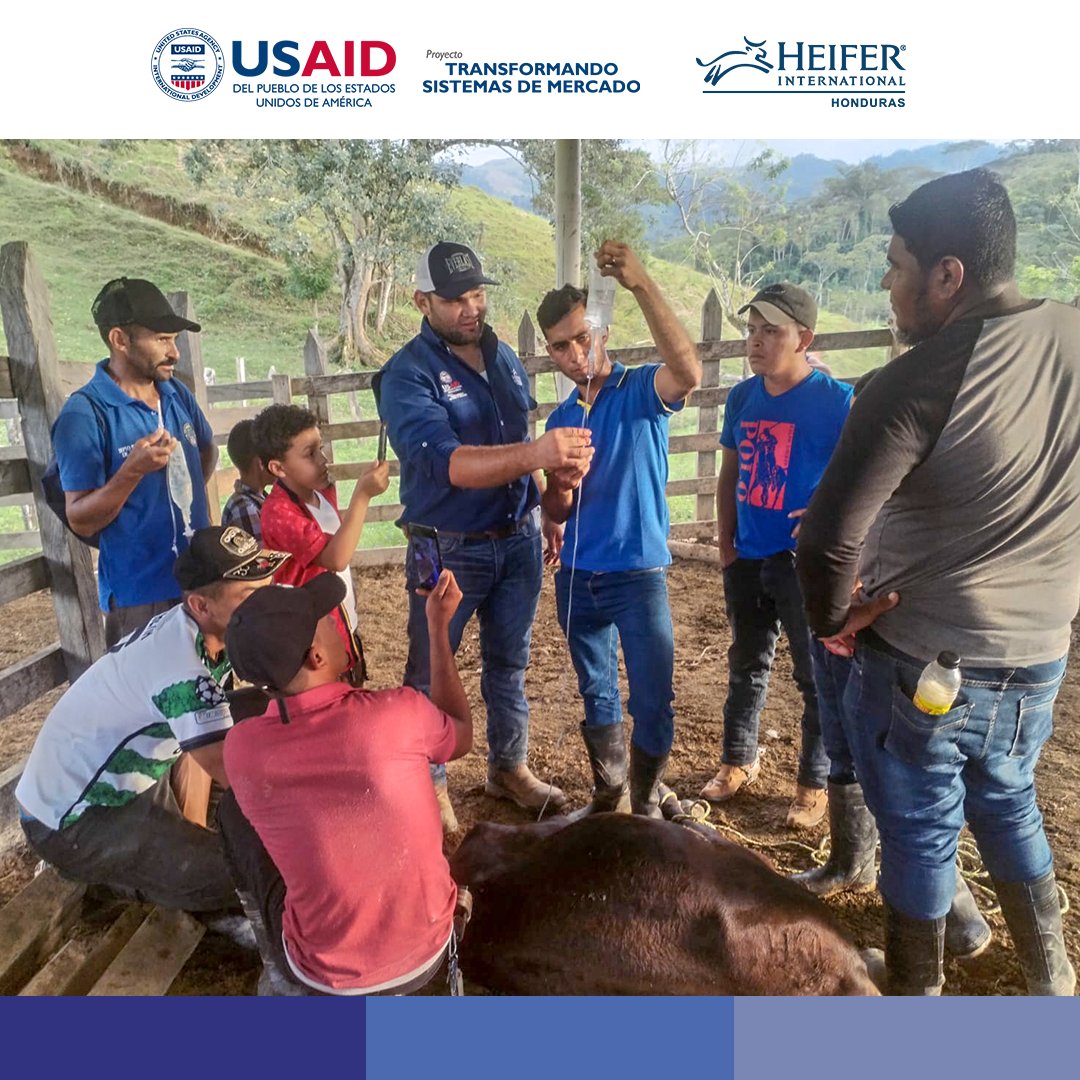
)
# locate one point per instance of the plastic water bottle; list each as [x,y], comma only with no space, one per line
[601,301]
[939,684]
[598,313]
[181,490]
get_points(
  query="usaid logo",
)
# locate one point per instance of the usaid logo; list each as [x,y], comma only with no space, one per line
[187,64]
[756,66]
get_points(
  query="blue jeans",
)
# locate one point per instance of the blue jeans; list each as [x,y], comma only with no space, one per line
[630,606]
[831,674]
[761,596]
[921,775]
[500,582]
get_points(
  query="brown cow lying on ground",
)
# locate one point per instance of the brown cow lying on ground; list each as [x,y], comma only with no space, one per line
[618,904]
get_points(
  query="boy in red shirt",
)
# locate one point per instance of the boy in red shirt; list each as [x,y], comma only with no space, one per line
[301,512]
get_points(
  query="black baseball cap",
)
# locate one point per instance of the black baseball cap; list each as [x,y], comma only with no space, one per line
[224,553]
[784,303]
[449,270]
[133,301]
[270,633]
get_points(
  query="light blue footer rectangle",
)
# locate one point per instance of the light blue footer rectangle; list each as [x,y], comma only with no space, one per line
[902,1038]
[513,1038]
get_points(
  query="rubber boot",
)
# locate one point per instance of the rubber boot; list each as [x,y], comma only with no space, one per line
[1033,915]
[914,954]
[273,982]
[967,933]
[606,746]
[646,772]
[852,841]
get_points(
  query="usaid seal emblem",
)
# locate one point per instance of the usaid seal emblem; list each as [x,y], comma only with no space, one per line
[187,64]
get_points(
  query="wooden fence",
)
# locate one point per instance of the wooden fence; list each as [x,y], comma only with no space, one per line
[34,384]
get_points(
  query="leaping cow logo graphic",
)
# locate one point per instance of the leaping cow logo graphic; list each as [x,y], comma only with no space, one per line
[752,56]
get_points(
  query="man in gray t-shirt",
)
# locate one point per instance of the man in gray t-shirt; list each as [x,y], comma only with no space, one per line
[954,498]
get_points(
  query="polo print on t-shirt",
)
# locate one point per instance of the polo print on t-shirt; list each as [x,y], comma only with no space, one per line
[764,455]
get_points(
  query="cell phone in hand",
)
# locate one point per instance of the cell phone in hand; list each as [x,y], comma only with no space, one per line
[380,454]
[425,554]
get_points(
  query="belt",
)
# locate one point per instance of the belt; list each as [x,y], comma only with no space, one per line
[488,534]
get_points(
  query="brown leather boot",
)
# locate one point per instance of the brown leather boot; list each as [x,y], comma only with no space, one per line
[521,787]
[729,779]
[807,808]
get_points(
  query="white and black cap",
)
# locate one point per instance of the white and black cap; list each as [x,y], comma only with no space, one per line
[449,269]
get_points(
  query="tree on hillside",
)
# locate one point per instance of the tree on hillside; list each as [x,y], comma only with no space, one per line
[376,201]
[616,183]
[736,224]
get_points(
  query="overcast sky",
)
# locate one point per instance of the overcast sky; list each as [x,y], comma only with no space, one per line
[731,151]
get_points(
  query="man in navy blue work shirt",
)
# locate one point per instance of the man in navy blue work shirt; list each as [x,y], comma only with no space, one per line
[134,450]
[456,404]
[614,557]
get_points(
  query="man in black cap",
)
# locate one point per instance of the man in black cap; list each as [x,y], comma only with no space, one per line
[456,403]
[134,451]
[780,426]
[331,828]
[95,799]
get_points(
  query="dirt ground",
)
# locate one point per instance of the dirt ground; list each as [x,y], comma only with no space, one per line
[755,816]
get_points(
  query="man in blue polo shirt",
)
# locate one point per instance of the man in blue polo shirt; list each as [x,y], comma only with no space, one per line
[779,430]
[456,404]
[613,577]
[134,449]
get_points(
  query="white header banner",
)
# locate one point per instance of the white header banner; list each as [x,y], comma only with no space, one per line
[488,70]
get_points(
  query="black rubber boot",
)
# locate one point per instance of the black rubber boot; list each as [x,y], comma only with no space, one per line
[852,841]
[1033,915]
[646,772]
[606,745]
[967,933]
[914,954]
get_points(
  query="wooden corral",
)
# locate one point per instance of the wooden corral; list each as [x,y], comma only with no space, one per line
[36,955]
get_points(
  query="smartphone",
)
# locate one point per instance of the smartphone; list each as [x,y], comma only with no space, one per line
[380,454]
[427,559]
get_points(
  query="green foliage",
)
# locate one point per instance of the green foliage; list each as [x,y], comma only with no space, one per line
[373,201]
[617,184]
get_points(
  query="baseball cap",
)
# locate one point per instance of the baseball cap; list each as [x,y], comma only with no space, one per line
[224,553]
[270,633]
[124,301]
[784,303]
[449,270]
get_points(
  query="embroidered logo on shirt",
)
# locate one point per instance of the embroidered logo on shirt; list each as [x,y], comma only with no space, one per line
[764,456]
[516,377]
[451,387]
[189,433]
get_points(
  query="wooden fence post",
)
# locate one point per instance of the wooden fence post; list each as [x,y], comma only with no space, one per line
[527,347]
[35,377]
[712,329]
[190,371]
[319,404]
[281,389]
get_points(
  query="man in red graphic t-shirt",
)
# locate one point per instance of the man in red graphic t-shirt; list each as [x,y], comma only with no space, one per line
[780,427]
[331,828]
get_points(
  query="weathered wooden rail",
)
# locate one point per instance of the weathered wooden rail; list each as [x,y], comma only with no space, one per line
[138,951]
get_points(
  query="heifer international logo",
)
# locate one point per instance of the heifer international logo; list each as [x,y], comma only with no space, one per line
[800,67]
[187,64]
